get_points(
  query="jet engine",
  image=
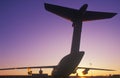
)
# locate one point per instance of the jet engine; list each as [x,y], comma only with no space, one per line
[85,71]
[29,72]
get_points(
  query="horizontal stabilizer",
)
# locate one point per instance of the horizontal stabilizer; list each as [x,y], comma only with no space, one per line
[93,15]
[70,14]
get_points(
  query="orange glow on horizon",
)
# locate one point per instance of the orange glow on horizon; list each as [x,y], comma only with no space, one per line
[48,71]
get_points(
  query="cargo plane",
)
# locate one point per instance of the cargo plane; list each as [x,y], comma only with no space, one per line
[69,63]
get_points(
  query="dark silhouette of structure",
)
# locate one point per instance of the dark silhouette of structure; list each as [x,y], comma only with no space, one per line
[69,63]
[45,76]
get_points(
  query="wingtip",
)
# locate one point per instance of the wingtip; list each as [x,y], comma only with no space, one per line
[46,5]
[115,14]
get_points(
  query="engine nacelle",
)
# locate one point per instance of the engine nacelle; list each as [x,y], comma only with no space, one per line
[29,72]
[85,71]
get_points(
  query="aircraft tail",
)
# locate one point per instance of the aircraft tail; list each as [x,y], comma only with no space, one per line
[77,17]
[70,14]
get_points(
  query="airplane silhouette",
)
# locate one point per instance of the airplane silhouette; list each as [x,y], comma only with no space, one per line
[69,63]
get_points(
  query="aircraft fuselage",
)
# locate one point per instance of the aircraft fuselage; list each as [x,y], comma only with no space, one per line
[67,65]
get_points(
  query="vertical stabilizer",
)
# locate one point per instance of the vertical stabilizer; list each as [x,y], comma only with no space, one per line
[77,29]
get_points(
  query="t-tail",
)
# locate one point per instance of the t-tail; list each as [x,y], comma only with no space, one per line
[77,17]
[77,29]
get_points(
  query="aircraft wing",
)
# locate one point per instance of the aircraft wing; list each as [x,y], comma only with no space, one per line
[70,14]
[32,67]
[88,68]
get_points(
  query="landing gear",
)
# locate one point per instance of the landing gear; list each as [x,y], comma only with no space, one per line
[40,72]
[77,75]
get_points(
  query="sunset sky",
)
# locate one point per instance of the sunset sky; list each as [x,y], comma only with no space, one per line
[32,36]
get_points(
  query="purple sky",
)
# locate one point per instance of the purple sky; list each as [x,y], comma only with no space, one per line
[32,36]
